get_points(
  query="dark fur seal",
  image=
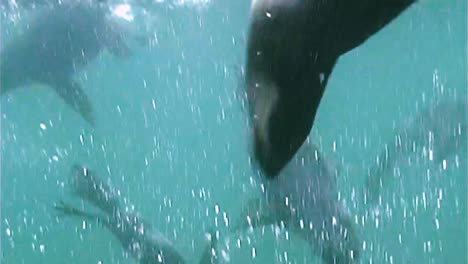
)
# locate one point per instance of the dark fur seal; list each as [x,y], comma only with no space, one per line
[293,46]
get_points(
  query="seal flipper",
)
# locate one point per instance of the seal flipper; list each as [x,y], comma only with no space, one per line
[68,210]
[72,93]
[207,255]
[86,185]
[359,22]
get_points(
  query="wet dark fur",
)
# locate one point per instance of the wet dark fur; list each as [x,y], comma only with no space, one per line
[292,49]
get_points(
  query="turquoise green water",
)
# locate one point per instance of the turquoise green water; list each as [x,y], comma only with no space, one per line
[172,136]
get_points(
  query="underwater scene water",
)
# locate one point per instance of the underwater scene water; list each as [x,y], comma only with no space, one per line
[171,135]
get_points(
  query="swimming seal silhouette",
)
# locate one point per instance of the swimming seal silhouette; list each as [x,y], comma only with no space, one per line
[439,129]
[292,48]
[143,242]
[303,198]
[60,42]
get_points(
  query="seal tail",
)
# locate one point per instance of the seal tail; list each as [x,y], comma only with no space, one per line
[86,185]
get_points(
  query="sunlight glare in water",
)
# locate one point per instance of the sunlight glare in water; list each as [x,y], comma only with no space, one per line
[123,11]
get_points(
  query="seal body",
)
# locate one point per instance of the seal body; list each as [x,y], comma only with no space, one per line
[60,42]
[304,198]
[293,46]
